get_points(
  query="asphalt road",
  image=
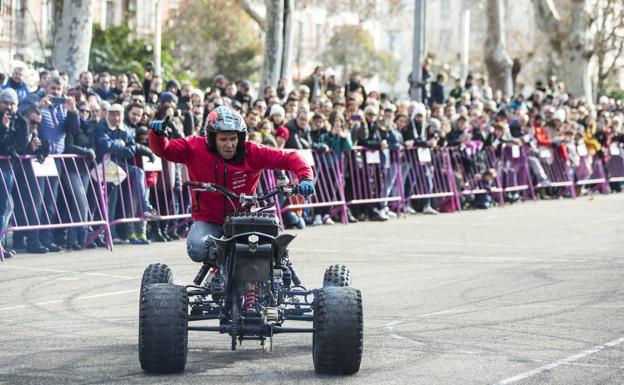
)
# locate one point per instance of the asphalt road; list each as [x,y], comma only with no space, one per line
[528,294]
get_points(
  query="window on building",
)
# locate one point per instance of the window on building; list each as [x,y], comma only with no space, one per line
[110,13]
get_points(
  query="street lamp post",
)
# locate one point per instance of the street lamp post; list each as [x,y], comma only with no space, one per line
[465,52]
[417,50]
[157,39]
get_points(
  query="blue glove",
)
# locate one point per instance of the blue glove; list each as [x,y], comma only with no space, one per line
[159,127]
[306,187]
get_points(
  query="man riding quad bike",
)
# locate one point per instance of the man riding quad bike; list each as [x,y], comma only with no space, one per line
[252,287]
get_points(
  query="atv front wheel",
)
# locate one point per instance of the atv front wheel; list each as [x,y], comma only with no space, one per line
[338,337]
[337,275]
[156,273]
[163,328]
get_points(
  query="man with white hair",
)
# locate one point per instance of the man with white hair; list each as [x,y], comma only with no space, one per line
[17,83]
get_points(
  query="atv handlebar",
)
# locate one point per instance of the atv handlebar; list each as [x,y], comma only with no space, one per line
[243,198]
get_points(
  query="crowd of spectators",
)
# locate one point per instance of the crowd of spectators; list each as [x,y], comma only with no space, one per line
[109,114]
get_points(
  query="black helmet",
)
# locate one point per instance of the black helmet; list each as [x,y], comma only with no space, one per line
[223,119]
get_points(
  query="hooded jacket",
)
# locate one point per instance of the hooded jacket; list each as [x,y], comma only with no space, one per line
[240,175]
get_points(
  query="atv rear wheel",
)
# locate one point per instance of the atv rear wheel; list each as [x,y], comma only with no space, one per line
[163,328]
[337,275]
[156,273]
[338,337]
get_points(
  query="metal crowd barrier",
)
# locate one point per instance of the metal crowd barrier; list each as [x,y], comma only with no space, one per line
[514,170]
[472,167]
[557,170]
[428,174]
[128,193]
[328,171]
[58,192]
[614,164]
[67,191]
[374,177]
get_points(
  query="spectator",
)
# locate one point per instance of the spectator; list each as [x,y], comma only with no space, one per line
[114,139]
[121,91]
[242,95]
[13,136]
[16,82]
[219,84]
[57,120]
[76,180]
[173,86]
[298,131]
[268,93]
[104,88]
[437,90]
[317,84]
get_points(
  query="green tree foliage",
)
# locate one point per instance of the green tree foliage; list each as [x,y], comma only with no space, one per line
[117,50]
[353,48]
[216,37]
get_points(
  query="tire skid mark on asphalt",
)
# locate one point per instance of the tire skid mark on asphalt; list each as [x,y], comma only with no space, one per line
[56,301]
[458,244]
[563,361]
[67,272]
[389,327]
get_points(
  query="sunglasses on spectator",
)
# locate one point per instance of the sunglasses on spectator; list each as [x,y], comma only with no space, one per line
[33,122]
[85,111]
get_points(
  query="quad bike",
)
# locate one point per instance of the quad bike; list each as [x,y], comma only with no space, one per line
[251,290]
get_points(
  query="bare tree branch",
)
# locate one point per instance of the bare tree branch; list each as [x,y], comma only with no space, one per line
[252,13]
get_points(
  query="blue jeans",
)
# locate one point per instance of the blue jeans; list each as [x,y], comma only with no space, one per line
[198,241]
[79,209]
[136,182]
[6,201]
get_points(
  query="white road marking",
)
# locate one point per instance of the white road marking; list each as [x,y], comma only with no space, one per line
[66,272]
[612,219]
[564,361]
[77,298]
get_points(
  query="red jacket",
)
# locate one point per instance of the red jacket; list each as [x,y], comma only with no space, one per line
[240,177]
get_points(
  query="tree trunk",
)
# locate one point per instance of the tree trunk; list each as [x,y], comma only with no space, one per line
[72,39]
[273,43]
[286,73]
[575,50]
[497,60]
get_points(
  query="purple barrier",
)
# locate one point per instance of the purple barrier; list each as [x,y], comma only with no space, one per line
[58,193]
[373,178]
[428,174]
[472,167]
[327,167]
[590,171]
[514,170]
[135,185]
[267,182]
[615,162]
[556,169]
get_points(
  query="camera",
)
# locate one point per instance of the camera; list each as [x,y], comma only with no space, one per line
[58,100]
[149,66]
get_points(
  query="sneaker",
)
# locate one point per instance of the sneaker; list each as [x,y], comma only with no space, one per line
[120,241]
[75,246]
[410,210]
[8,253]
[318,220]
[430,210]
[142,238]
[327,220]
[389,213]
[53,247]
